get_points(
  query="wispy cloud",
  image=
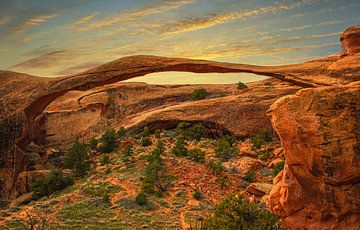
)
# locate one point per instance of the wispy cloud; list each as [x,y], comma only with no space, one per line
[53,58]
[303,38]
[4,20]
[217,19]
[138,13]
[34,21]
[78,68]
[86,18]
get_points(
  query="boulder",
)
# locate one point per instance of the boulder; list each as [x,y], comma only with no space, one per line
[259,189]
[23,199]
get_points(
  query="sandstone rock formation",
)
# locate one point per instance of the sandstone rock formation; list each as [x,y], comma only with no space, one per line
[315,156]
[85,114]
[319,187]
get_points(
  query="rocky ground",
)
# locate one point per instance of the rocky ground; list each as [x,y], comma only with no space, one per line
[249,172]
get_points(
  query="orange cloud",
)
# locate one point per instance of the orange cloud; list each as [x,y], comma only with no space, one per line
[201,23]
[86,18]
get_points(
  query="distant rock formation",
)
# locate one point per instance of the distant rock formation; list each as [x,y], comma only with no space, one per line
[85,114]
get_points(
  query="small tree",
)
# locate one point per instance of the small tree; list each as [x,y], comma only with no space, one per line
[250,176]
[224,150]
[157,133]
[195,132]
[128,154]
[180,149]
[104,160]
[234,212]
[278,167]
[77,159]
[241,85]
[197,195]
[109,141]
[199,94]
[141,198]
[215,166]
[93,143]
[121,133]
[56,180]
[197,155]
[145,141]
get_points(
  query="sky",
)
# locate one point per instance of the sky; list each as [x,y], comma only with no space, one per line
[59,37]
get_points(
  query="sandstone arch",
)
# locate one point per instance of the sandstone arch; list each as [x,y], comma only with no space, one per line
[24,97]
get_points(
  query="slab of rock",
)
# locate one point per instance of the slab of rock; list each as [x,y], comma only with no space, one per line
[23,199]
[259,189]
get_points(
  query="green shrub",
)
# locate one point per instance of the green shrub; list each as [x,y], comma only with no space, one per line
[104,160]
[235,212]
[56,180]
[250,176]
[180,149]
[264,136]
[141,198]
[106,198]
[197,195]
[196,155]
[145,141]
[157,133]
[257,141]
[215,166]
[199,94]
[143,134]
[93,143]
[264,155]
[99,189]
[224,150]
[77,159]
[108,141]
[222,181]
[121,133]
[195,132]
[128,154]
[241,85]
[268,83]
[278,167]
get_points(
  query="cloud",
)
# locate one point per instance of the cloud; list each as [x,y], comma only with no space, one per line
[78,68]
[241,50]
[34,22]
[4,20]
[290,29]
[303,38]
[138,13]
[50,59]
[217,19]
[86,18]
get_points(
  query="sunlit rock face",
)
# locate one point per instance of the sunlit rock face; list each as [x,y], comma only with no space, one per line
[350,40]
[85,114]
[320,133]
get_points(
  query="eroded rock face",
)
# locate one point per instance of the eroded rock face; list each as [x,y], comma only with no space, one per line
[320,133]
[350,40]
